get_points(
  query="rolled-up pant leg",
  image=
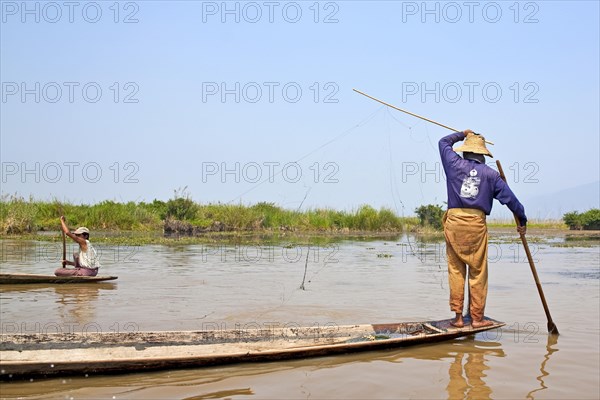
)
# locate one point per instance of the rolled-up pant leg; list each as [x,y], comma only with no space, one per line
[457,270]
[478,281]
[466,244]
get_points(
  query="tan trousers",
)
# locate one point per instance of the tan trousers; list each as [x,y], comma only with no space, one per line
[466,235]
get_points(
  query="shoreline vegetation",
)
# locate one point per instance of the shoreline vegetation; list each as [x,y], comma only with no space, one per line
[181,218]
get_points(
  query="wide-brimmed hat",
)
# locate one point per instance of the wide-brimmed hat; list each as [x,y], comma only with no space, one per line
[81,229]
[474,144]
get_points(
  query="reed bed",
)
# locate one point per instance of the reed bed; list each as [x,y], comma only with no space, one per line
[24,216]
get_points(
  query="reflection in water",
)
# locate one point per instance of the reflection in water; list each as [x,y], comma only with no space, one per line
[223,394]
[552,340]
[78,303]
[468,370]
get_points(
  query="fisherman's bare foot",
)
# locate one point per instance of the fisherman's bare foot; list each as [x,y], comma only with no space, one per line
[458,321]
[482,323]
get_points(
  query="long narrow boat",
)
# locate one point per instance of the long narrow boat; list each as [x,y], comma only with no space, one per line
[53,354]
[14,279]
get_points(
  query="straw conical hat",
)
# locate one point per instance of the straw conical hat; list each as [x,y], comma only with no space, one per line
[474,144]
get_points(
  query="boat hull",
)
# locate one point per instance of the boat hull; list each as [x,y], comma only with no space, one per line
[34,355]
[20,279]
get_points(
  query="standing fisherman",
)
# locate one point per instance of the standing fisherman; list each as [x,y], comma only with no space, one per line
[472,186]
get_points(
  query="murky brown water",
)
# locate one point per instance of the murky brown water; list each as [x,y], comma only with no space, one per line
[202,287]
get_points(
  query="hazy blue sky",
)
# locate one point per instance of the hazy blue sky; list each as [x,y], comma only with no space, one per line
[253,101]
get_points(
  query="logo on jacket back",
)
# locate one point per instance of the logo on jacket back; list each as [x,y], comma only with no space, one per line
[470,185]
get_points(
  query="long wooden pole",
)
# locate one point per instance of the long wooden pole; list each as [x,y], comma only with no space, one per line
[410,113]
[551,326]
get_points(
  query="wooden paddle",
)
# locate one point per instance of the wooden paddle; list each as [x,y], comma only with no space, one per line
[551,326]
[64,263]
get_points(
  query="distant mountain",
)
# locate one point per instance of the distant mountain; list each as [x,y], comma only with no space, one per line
[555,205]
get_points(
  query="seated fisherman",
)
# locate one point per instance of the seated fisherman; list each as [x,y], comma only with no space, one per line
[86,261]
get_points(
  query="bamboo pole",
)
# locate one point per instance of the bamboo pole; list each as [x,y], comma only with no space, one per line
[551,326]
[410,113]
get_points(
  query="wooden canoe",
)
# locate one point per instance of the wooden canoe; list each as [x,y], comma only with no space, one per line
[53,354]
[14,279]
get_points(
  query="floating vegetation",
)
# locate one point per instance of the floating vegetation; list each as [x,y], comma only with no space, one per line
[384,255]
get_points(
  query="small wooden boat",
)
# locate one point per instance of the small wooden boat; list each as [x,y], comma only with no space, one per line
[10,279]
[52,354]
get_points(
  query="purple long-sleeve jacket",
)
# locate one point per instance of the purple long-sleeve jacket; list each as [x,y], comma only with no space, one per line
[474,185]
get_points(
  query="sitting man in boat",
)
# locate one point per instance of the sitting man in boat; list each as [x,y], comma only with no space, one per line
[472,186]
[86,261]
